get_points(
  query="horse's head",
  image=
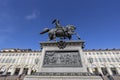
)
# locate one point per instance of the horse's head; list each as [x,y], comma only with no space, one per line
[70,29]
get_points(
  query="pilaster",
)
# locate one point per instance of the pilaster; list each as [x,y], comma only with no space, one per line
[21,71]
[109,70]
[29,71]
[118,70]
[100,71]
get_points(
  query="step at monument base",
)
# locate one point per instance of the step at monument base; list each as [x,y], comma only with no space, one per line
[32,77]
[62,76]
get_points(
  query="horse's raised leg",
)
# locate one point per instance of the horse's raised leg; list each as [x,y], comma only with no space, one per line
[54,37]
[69,37]
[77,35]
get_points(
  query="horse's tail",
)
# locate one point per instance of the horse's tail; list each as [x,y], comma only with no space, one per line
[45,30]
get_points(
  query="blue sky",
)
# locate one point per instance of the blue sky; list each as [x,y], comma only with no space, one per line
[97,21]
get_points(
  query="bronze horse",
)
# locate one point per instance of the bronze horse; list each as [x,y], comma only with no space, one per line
[61,32]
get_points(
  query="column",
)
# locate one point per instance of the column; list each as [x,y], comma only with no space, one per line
[118,70]
[13,71]
[99,70]
[29,71]
[109,70]
[4,73]
[90,70]
[21,71]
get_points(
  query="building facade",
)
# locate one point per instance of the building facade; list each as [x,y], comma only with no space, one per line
[103,61]
[16,61]
[25,61]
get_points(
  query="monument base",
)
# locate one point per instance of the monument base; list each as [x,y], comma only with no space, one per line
[62,61]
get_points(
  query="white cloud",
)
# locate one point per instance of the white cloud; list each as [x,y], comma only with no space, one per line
[34,15]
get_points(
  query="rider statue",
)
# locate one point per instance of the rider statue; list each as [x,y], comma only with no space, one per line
[60,31]
[57,23]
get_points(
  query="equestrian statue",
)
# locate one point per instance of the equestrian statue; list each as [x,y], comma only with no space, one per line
[60,31]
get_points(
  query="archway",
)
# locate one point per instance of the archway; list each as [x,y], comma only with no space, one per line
[104,70]
[25,70]
[114,71]
[17,70]
[95,71]
[10,69]
[2,69]
[34,69]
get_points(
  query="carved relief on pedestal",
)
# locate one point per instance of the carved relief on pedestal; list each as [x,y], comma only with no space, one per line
[62,59]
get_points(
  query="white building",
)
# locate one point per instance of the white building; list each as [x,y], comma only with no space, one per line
[19,61]
[16,61]
[103,61]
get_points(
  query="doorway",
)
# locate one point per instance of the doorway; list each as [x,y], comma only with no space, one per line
[104,70]
[25,70]
[95,71]
[17,70]
[114,71]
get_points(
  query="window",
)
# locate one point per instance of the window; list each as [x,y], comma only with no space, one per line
[0,59]
[95,59]
[6,54]
[33,54]
[113,59]
[109,53]
[36,61]
[13,54]
[9,54]
[117,52]
[101,53]
[117,60]
[113,53]
[100,59]
[89,53]
[90,60]
[9,60]
[23,54]
[108,59]
[93,53]
[3,60]
[105,53]
[97,53]
[6,60]
[104,60]
[30,54]
[17,54]
[13,60]
[2,54]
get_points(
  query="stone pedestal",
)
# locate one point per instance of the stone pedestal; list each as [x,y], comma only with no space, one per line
[69,59]
[62,61]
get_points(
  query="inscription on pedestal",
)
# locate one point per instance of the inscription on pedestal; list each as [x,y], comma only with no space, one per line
[62,59]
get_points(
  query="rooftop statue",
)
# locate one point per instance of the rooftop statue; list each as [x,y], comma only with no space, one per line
[60,31]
